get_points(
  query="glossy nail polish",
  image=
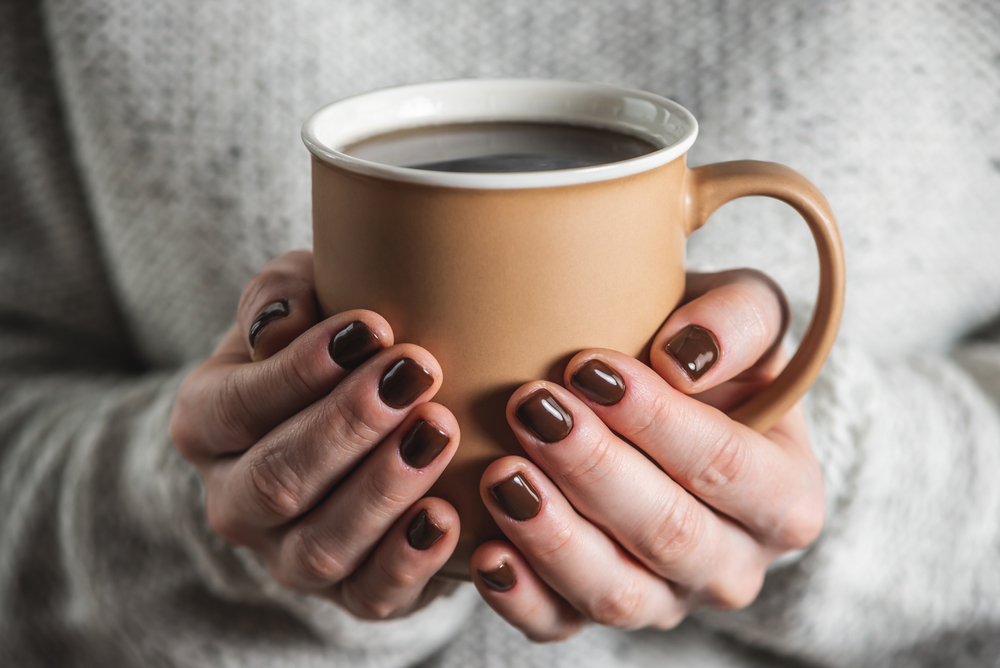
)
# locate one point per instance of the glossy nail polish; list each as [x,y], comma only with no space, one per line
[546,417]
[422,532]
[599,382]
[422,444]
[502,578]
[517,497]
[696,349]
[404,382]
[354,345]
[267,315]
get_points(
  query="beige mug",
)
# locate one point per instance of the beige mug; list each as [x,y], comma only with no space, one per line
[504,276]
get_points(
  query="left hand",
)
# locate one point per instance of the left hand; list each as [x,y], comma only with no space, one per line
[642,500]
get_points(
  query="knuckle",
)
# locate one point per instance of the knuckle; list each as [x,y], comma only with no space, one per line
[674,535]
[662,410]
[181,431]
[351,426]
[220,518]
[395,577]
[603,458]
[282,575]
[381,497]
[670,619]
[385,600]
[801,523]
[365,603]
[562,632]
[619,607]
[729,459]
[737,593]
[230,407]
[370,607]
[557,544]
[297,374]
[314,560]
[183,426]
[274,484]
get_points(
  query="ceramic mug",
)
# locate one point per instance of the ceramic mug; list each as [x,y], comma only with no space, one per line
[505,276]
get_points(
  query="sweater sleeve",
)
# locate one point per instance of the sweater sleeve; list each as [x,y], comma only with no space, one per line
[907,571]
[105,554]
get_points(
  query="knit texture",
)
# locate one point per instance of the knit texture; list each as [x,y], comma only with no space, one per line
[150,164]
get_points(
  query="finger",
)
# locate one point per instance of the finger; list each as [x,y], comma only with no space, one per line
[278,304]
[572,556]
[731,327]
[293,468]
[393,581]
[619,490]
[228,406]
[509,586]
[770,484]
[333,540]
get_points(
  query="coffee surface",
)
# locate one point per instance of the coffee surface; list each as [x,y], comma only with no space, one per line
[501,147]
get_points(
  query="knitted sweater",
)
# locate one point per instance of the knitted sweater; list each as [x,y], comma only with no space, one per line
[150,164]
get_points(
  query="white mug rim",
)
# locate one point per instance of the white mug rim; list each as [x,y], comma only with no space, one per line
[656,119]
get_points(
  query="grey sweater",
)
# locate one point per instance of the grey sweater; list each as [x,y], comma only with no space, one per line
[150,164]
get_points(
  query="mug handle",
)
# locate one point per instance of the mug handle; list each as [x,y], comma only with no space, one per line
[709,187]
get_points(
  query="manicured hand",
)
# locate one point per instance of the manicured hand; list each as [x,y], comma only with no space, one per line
[641,500]
[316,441]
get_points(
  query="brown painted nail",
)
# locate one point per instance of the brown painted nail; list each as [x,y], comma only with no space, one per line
[695,349]
[517,497]
[422,532]
[545,416]
[422,444]
[354,345]
[602,384]
[404,382]
[502,578]
[267,315]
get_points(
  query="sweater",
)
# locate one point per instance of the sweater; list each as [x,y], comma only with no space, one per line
[150,163]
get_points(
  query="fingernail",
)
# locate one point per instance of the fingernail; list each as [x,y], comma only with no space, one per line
[422,444]
[403,382]
[545,416]
[354,345]
[517,497]
[269,313]
[602,384]
[696,350]
[501,578]
[422,532]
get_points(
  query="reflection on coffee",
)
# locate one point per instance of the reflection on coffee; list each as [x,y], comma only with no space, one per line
[501,147]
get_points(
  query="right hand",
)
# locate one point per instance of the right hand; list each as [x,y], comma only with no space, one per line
[301,456]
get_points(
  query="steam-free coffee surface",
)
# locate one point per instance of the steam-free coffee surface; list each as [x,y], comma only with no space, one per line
[500,147]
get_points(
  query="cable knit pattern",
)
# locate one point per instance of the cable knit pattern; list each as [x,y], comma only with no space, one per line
[150,164]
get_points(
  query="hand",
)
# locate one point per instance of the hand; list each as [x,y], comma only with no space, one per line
[691,516]
[316,441]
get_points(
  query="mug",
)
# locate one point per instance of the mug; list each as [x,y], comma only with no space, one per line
[503,277]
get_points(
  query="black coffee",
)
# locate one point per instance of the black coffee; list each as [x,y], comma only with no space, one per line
[500,147]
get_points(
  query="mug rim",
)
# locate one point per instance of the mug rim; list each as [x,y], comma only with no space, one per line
[662,122]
